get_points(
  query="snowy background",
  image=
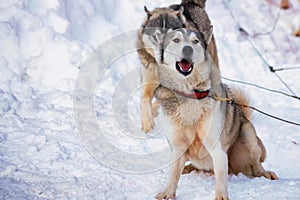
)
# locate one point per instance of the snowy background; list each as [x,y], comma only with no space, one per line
[46,44]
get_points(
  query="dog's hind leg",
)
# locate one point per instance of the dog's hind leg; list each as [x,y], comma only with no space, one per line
[247,154]
[257,152]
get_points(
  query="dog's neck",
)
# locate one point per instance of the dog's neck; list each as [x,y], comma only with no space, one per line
[196,94]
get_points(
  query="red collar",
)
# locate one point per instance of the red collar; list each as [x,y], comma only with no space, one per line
[195,95]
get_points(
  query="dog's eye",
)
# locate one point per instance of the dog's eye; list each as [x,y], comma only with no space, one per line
[176,40]
[196,41]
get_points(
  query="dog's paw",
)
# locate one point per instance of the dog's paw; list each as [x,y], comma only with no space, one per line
[155,107]
[221,195]
[269,175]
[147,122]
[147,125]
[165,195]
[221,198]
[147,118]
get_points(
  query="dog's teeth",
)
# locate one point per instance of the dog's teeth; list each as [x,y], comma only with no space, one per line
[185,70]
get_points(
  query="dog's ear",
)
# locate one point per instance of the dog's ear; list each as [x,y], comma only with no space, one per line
[180,15]
[147,12]
[180,11]
[207,34]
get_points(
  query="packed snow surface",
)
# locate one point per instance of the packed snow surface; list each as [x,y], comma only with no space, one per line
[69,99]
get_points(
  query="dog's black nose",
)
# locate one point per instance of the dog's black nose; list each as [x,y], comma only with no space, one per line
[187,51]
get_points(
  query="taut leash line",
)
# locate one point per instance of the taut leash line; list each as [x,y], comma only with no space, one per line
[232,102]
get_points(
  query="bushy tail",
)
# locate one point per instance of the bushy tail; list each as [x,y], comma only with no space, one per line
[240,98]
[201,3]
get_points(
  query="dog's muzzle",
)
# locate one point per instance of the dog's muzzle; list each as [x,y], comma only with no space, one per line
[184,67]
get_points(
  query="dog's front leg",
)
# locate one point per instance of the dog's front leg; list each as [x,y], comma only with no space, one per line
[149,83]
[220,163]
[175,171]
[179,142]
[213,144]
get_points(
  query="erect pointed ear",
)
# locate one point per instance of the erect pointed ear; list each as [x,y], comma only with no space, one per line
[180,15]
[181,9]
[208,34]
[147,12]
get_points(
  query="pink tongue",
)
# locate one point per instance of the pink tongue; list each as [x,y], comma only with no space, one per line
[185,65]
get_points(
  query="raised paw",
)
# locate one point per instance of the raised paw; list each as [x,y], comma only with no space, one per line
[147,122]
[155,107]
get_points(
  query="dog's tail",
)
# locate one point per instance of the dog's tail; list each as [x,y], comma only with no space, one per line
[200,3]
[240,98]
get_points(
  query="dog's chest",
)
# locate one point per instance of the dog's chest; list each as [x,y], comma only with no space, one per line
[199,156]
[191,111]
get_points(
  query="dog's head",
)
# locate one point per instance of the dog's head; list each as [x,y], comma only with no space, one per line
[160,20]
[164,18]
[183,62]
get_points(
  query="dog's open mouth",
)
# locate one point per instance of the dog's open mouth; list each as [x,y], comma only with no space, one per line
[184,67]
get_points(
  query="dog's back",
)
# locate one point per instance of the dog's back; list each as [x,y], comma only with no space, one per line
[200,3]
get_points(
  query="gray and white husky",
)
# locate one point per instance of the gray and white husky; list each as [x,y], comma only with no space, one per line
[189,14]
[214,135]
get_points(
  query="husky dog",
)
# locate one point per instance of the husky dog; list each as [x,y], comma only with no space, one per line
[214,135]
[190,14]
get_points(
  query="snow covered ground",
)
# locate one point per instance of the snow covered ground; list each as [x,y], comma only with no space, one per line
[59,142]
